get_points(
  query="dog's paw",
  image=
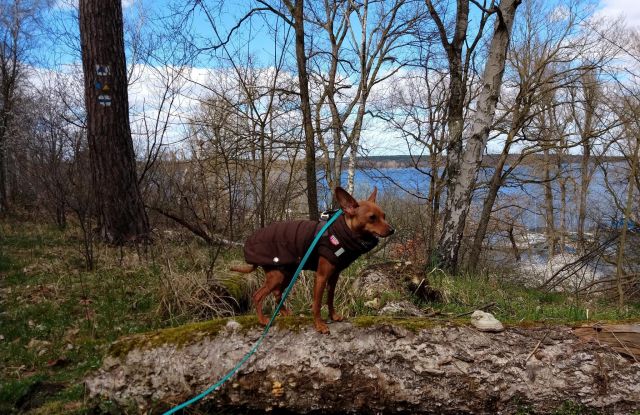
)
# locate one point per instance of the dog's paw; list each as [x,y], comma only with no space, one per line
[336,317]
[263,320]
[321,327]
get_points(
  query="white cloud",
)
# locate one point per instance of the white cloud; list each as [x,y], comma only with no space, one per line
[629,10]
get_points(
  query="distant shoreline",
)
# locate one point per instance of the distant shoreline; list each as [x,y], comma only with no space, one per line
[489,160]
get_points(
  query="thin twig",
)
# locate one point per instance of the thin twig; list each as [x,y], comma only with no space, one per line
[483,308]
[537,345]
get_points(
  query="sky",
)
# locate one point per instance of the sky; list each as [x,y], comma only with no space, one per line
[629,9]
[145,91]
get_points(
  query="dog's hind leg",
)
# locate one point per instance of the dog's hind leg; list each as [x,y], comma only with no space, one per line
[280,289]
[273,281]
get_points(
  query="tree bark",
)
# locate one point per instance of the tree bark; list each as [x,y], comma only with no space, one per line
[590,92]
[462,178]
[625,223]
[113,164]
[370,365]
[10,70]
[4,201]
[296,10]
[550,227]
[495,183]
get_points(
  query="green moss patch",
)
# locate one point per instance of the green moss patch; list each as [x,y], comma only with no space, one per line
[178,336]
[413,324]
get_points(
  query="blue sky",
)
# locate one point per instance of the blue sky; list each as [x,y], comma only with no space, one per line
[254,38]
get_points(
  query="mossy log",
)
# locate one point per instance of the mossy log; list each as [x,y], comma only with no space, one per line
[368,365]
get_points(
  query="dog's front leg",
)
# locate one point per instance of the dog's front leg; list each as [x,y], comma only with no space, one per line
[324,272]
[331,290]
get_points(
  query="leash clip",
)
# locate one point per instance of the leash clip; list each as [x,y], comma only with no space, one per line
[326,214]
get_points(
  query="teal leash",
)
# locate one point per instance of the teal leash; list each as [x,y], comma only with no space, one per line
[267,327]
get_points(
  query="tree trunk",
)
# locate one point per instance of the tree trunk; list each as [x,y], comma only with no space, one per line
[433,203]
[550,227]
[562,183]
[297,13]
[585,179]
[113,162]
[371,365]
[462,181]
[4,202]
[487,207]
[591,96]
[354,145]
[625,224]
[8,80]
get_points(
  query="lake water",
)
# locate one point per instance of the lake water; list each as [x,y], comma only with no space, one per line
[521,193]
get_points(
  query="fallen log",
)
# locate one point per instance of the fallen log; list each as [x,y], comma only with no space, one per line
[368,365]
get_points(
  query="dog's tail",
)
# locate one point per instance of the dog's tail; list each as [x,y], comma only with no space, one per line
[245,269]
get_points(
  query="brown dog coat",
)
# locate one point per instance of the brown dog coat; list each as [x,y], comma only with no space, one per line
[283,244]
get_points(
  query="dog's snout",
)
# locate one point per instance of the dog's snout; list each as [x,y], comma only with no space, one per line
[391,230]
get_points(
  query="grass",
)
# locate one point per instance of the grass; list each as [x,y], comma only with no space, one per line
[515,304]
[58,320]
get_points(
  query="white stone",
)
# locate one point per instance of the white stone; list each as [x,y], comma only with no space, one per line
[484,321]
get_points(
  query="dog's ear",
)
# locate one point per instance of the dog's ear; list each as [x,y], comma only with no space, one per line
[372,196]
[346,201]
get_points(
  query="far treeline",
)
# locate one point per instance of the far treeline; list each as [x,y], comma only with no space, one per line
[488,160]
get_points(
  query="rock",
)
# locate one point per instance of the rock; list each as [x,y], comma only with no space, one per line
[233,325]
[400,277]
[366,365]
[484,321]
[373,283]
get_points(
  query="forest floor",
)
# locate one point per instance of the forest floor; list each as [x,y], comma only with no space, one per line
[57,318]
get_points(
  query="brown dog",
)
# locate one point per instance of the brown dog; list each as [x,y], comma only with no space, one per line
[279,248]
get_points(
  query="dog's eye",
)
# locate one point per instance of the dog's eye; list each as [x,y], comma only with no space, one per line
[372,218]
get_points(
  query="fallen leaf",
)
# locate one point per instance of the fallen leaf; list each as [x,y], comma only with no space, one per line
[38,344]
[71,334]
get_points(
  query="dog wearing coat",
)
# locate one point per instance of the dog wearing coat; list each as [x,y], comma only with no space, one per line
[279,248]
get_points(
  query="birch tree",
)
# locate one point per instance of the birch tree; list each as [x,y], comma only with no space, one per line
[375,33]
[463,164]
[547,54]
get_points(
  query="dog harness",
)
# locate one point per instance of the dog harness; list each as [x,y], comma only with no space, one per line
[283,244]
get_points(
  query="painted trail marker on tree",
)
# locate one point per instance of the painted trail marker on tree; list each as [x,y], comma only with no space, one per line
[104,100]
[103,70]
